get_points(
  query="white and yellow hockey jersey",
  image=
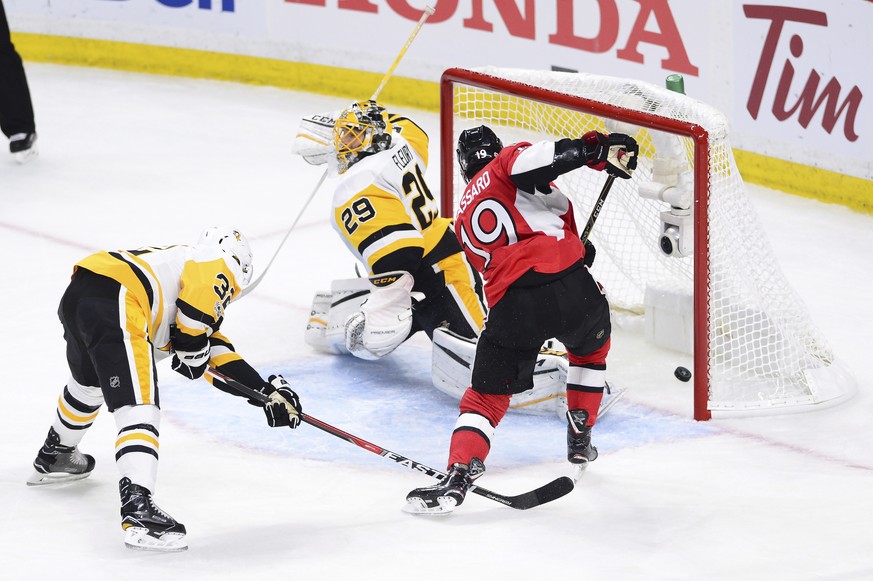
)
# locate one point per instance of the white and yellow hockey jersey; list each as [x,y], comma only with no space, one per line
[383,209]
[185,286]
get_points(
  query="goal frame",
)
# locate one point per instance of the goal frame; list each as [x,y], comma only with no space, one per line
[695,132]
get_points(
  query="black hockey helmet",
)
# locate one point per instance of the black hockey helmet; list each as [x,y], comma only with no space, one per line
[477,147]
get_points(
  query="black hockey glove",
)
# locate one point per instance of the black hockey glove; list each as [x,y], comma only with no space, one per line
[616,153]
[191,364]
[590,253]
[284,407]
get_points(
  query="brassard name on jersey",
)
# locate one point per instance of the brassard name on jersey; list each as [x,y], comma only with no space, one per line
[473,189]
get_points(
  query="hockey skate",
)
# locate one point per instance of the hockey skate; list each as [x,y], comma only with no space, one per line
[146,526]
[56,463]
[443,497]
[579,448]
[22,146]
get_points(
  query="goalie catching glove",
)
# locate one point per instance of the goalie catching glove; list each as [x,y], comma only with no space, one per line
[284,407]
[385,318]
[616,153]
[314,139]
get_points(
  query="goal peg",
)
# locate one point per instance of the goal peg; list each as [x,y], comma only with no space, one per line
[676,83]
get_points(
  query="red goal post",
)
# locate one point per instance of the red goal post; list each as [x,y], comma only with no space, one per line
[752,353]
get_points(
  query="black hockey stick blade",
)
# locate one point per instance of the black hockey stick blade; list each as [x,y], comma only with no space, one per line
[546,493]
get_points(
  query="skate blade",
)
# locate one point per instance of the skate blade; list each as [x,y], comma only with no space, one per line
[22,157]
[40,479]
[580,470]
[139,539]
[446,505]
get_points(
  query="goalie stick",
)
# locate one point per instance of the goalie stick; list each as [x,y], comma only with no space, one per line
[258,280]
[546,493]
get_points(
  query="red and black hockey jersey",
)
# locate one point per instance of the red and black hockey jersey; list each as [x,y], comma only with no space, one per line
[507,231]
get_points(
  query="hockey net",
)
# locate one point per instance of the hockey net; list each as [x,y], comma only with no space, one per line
[755,348]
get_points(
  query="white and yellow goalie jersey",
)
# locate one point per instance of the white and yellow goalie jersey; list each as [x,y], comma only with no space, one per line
[383,209]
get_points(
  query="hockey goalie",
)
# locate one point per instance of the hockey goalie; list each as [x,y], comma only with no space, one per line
[418,276]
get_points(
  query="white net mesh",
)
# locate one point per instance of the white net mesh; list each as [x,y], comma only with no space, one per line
[764,351]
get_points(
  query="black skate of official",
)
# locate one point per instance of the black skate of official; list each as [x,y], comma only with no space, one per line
[56,463]
[22,146]
[443,497]
[146,526]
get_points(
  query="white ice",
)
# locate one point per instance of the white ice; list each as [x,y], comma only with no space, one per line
[129,160]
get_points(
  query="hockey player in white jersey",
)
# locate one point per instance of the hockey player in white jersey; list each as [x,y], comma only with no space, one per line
[122,312]
[386,214]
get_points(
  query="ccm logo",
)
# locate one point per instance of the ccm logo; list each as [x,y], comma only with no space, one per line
[383,281]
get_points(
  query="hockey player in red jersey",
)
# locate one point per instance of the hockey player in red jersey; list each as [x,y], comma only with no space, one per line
[518,230]
[122,312]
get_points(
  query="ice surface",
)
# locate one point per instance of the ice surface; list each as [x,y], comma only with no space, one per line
[128,160]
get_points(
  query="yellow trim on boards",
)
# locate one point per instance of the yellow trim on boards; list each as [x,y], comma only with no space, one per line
[183,62]
[803,180]
[794,178]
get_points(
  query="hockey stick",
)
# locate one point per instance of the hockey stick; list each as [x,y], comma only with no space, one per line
[546,493]
[428,11]
[598,205]
[258,280]
[424,16]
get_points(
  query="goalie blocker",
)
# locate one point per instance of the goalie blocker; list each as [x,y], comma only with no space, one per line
[367,317]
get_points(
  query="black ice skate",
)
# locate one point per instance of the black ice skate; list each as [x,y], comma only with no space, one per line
[56,463]
[579,448]
[443,497]
[22,146]
[146,526]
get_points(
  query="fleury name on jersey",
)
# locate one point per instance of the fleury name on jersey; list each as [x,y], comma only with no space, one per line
[387,216]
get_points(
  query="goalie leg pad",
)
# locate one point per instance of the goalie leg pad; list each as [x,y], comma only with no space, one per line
[326,328]
[316,326]
[452,362]
[451,369]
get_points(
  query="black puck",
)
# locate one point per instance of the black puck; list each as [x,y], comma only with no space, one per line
[682,373]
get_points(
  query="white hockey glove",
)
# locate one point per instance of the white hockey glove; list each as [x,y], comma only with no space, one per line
[314,139]
[385,318]
[284,408]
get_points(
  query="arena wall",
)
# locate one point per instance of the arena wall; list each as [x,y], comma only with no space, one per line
[793,76]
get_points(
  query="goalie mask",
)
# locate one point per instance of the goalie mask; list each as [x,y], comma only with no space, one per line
[476,148]
[359,130]
[235,246]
